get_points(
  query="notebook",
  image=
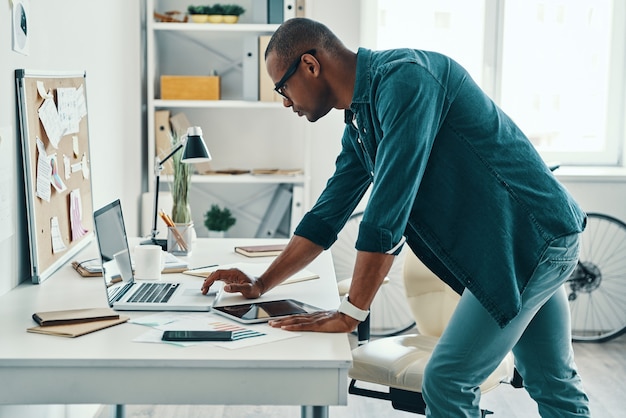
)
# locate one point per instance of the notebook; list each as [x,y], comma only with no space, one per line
[123,292]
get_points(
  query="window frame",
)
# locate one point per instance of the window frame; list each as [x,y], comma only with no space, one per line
[614,152]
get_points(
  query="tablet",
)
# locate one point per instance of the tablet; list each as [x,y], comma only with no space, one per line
[250,313]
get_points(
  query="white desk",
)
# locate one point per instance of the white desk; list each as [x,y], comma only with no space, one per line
[107,367]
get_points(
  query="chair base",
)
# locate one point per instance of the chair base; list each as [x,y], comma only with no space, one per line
[402,400]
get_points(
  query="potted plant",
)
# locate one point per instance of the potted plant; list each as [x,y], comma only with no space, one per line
[181,211]
[218,220]
[232,12]
[198,14]
[215,12]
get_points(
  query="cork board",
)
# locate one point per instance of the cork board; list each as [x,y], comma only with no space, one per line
[54,133]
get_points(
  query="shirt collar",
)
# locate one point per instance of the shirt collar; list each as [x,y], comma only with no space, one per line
[361,84]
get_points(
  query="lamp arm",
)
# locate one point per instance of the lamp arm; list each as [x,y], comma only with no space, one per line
[157,178]
[172,152]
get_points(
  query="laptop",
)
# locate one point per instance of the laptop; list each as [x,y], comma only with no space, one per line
[123,292]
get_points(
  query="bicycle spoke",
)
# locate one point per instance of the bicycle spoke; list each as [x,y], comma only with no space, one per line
[597,289]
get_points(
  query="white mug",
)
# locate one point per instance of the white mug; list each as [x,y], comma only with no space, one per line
[149,262]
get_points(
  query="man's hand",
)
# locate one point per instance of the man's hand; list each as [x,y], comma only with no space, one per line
[235,281]
[323,321]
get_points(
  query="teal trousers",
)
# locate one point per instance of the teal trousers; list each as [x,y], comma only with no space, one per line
[473,345]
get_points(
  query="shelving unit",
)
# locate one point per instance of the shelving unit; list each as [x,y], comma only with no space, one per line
[240,134]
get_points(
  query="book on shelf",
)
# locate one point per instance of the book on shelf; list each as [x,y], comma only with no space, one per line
[277,171]
[260,250]
[266,85]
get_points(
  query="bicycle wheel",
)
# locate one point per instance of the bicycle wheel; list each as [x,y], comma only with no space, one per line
[389,312]
[597,287]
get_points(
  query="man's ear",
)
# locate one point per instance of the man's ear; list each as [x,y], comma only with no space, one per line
[312,65]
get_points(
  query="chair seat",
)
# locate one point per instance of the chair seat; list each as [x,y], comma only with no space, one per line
[399,362]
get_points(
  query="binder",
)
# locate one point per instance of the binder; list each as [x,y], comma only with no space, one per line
[300,8]
[289,9]
[252,56]
[275,212]
[275,11]
[266,86]
[297,207]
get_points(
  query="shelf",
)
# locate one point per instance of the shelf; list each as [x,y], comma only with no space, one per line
[214,104]
[247,179]
[215,27]
[240,133]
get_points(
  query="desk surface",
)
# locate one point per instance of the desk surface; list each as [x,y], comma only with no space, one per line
[107,367]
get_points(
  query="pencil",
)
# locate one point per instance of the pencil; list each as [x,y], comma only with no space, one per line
[179,238]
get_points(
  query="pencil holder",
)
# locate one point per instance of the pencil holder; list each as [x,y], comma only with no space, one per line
[179,239]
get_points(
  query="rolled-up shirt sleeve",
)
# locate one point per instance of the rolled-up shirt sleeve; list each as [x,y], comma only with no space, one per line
[343,192]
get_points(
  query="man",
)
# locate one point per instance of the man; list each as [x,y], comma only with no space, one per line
[452,175]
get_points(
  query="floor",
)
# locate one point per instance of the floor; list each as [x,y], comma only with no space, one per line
[601,365]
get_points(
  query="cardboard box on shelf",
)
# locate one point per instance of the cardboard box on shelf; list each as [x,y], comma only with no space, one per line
[178,87]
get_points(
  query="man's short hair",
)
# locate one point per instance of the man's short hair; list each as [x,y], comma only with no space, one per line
[297,35]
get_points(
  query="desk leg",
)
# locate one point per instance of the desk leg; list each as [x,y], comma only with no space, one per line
[314,411]
[118,411]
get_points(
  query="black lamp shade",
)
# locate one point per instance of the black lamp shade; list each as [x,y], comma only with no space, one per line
[195,150]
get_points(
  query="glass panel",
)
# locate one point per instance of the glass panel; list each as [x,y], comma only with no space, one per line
[452,27]
[556,64]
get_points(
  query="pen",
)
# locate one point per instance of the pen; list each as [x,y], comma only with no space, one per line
[203,267]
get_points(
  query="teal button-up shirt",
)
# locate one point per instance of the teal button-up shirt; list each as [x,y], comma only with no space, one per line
[450,173]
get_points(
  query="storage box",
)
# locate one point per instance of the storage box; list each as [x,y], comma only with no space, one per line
[176,87]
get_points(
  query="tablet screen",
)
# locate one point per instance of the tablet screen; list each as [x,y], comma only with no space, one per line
[264,311]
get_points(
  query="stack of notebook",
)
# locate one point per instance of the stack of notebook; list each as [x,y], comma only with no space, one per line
[75,322]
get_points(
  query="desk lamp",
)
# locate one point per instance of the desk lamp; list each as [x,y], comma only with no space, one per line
[194,151]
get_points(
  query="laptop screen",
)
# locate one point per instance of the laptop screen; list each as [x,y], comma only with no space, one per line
[114,253]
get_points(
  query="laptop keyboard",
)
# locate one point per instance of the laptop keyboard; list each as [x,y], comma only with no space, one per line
[154,292]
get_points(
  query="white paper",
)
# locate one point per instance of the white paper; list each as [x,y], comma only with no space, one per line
[76,215]
[67,167]
[41,89]
[85,167]
[55,234]
[250,335]
[68,108]
[81,103]
[51,122]
[75,146]
[55,177]
[44,173]
[255,270]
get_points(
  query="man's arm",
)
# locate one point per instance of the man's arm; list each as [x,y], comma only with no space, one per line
[369,272]
[296,255]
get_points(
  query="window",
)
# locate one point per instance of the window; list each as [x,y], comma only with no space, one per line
[557,67]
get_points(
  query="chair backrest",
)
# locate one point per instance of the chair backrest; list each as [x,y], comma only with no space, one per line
[432,301]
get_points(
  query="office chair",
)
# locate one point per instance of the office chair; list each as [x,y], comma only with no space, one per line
[398,362]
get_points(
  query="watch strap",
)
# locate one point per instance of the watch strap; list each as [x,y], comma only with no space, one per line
[352,311]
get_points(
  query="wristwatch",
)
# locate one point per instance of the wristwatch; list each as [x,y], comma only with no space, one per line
[352,311]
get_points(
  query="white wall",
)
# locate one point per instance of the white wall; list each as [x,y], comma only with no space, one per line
[102,38]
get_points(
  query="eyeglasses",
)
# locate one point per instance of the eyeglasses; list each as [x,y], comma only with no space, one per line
[278,87]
